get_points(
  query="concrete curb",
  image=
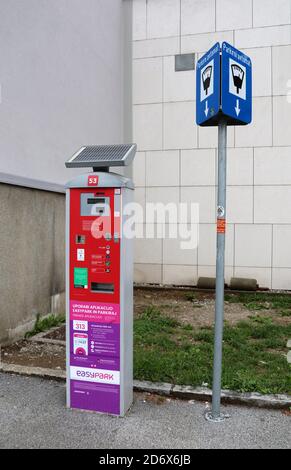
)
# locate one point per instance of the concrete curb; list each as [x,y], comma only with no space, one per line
[183,392]
[48,341]
[153,387]
[41,337]
[234,398]
[56,374]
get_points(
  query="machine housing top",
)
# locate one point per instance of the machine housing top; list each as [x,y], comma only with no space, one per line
[102,180]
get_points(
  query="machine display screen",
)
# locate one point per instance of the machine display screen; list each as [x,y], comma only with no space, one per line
[96,200]
[92,204]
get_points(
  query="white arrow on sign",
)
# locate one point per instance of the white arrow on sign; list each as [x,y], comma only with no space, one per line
[206,111]
[237,108]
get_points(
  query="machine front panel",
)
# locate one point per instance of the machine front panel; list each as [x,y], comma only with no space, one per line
[94,274]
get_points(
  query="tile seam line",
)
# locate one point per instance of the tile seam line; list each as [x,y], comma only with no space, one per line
[205,50]
[188,51]
[187,149]
[213,265]
[212,224]
[286,185]
[205,33]
[152,103]
[250,147]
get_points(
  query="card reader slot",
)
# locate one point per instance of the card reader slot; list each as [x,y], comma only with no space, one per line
[105,288]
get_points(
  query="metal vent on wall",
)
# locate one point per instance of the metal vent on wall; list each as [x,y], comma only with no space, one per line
[102,156]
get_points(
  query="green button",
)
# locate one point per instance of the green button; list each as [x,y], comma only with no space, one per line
[81,277]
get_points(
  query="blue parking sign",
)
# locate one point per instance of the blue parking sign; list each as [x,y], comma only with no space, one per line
[224,87]
[208,87]
[236,87]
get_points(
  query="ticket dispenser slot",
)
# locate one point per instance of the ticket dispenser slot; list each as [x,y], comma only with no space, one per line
[99,292]
[102,287]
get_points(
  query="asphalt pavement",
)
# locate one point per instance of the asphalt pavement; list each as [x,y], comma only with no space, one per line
[33,415]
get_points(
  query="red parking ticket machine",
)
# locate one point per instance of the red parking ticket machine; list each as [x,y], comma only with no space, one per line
[99,276]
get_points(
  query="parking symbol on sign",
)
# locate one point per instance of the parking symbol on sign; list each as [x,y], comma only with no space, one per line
[207,79]
[237,79]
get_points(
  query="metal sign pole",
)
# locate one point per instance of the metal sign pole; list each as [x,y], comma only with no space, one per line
[215,414]
[223,97]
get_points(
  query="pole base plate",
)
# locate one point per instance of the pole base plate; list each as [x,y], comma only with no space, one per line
[216,419]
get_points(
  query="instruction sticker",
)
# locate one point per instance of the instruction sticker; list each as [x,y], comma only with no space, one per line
[221,225]
[80,254]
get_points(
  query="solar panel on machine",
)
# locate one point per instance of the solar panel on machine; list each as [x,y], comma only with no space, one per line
[103,156]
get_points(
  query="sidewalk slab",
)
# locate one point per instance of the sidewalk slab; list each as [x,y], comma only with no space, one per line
[38,405]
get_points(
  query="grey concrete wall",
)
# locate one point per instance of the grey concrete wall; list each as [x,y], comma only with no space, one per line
[32,254]
[127,77]
[62,82]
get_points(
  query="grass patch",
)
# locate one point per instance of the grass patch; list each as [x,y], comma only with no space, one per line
[190,296]
[285,313]
[261,301]
[166,351]
[44,324]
